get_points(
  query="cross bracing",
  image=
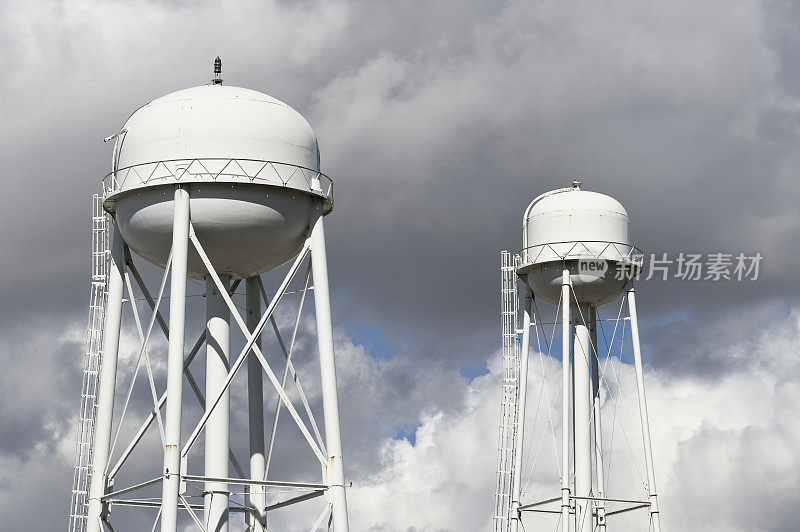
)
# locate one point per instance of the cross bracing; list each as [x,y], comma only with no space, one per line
[622,485]
[285,380]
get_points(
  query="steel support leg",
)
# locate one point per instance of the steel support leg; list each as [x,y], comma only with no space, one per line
[582,419]
[648,449]
[255,400]
[330,398]
[598,432]
[565,386]
[218,331]
[108,383]
[519,439]
[177,317]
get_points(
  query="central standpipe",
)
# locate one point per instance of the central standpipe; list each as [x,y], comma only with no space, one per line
[330,397]
[582,420]
[177,320]
[257,521]
[218,329]
[598,432]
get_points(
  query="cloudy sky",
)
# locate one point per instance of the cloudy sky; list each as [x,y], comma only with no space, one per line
[439,122]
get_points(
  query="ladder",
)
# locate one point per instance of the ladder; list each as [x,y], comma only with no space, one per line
[94,343]
[510,393]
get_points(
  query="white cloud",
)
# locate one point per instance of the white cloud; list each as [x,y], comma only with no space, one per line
[725,451]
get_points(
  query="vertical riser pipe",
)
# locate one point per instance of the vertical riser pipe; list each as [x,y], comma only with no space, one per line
[598,426]
[582,407]
[218,324]
[255,402]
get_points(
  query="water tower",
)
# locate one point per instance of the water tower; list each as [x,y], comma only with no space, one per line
[576,255]
[218,184]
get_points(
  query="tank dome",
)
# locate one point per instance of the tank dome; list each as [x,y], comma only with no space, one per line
[249,162]
[204,122]
[567,227]
[575,215]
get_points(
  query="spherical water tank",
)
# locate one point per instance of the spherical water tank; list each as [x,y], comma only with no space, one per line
[583,232]
[249,162]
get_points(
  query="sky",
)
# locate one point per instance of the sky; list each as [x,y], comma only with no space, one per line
[439,122]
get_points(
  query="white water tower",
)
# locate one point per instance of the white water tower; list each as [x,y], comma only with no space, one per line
[576,255]
[219,184]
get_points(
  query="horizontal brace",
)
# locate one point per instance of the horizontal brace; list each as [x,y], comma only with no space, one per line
[639,507]
[294,500]
[575,497]
[157,504]
[548,501]
[252,482]
[129,489]
[605,499]
[150,504]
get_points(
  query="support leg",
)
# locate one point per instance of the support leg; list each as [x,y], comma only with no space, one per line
[516,490]
[648,450]
[108,383]
[330,398]
[177,317]
[598,432]
[218,330]
[565,382]
[582,416]
[255,401]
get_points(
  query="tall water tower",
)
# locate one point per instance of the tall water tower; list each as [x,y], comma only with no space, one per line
[218,184]
[576,255]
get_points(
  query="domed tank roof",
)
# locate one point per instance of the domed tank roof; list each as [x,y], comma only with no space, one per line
[573,215]
[217,121]
[576,200]
[249,162]
[580,231]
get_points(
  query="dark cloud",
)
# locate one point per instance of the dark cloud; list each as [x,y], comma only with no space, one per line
[438,124]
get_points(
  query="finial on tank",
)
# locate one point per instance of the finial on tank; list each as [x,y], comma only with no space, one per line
[217,71]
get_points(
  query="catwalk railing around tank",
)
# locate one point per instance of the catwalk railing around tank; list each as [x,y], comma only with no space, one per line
[219,170]
[619,252]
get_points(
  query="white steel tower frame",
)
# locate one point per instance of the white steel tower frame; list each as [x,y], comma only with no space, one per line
[582,502]
[222,366]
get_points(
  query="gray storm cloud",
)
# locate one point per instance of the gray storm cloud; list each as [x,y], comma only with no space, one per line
[439,123]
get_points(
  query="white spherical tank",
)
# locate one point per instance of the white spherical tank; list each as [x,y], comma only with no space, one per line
[583,232]
[249,162]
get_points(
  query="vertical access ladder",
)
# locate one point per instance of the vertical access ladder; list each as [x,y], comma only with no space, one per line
[510,393]
[92,356]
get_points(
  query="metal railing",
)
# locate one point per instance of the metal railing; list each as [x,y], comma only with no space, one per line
[219,169]
[580,249]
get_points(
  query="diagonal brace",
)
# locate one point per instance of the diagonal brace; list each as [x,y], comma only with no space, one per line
[250,345]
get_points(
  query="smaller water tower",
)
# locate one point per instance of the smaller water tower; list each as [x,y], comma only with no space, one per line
[576,255]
